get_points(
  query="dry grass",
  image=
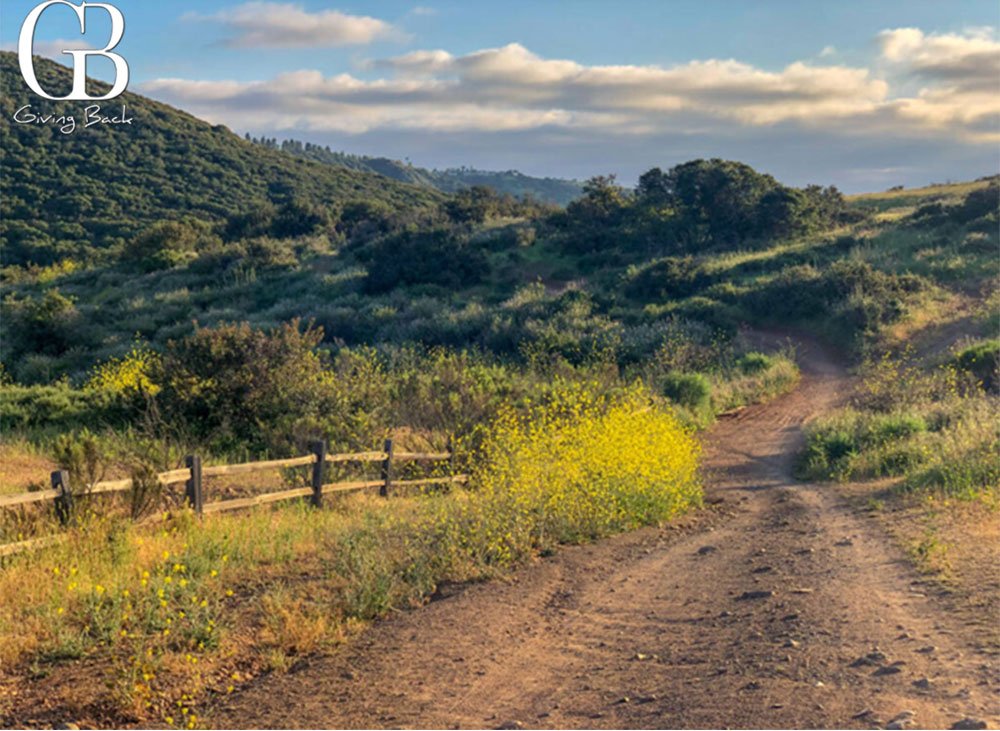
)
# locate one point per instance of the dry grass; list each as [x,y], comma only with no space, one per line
[948,190]
[22,467]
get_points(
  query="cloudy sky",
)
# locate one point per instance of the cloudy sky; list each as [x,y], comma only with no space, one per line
[861,94]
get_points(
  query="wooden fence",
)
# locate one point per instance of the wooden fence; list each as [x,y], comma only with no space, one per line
[62,496]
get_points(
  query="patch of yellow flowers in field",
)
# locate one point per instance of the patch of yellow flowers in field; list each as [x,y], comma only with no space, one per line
[578,467]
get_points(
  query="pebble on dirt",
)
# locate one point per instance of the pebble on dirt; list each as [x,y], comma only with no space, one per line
[969,724]
[754,595]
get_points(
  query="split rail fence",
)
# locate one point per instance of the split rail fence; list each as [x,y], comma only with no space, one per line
[192,475]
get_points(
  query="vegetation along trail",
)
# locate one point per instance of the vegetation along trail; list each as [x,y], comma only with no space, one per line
[776,606]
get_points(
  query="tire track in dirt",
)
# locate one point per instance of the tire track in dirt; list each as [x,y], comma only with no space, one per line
[777,606]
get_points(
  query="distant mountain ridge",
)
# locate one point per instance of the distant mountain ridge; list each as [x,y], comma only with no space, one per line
[549,190]
[81,193]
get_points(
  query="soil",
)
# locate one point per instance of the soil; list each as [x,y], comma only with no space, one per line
[779,605]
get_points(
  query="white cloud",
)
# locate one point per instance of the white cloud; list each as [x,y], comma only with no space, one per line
[289,25]
[959,74]
[511,89]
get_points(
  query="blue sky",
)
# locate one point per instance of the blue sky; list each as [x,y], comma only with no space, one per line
[861,94]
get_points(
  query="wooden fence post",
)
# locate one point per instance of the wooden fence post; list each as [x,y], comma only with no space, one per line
[386,470]
[193,492]
[319,472]
[452,460]
[64,501]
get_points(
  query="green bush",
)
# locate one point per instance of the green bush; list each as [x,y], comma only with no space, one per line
[982,361]
[752,363]
[671,277]
[691,391]
[888,427]
[438,256]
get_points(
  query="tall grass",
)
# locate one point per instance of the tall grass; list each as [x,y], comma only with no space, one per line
[934,428]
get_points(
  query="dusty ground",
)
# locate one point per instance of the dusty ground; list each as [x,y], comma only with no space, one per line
[781,605]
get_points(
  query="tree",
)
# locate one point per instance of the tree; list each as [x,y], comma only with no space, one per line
[718,199]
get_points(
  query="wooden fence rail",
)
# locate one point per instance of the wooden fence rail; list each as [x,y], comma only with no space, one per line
[192,475]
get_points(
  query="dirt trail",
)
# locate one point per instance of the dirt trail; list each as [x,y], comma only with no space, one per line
[778,606]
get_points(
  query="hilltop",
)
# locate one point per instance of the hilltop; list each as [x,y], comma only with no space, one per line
[79,195]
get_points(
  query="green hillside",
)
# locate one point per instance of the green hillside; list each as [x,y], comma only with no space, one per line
[78,195]
[557,191]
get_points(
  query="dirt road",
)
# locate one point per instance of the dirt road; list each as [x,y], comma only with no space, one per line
[776,606]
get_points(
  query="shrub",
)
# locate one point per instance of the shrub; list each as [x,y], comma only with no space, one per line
[692,391]
[982,361]
[438,256]
[577,468]
[965,459]
[234,385]
[752,363]
[671,277]
[888,427]
[167,244]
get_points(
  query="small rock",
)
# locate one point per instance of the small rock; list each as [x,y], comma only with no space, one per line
[624,699]
[845,542]
[820,684]
[705,550]
[748,595]
[863,714]
[510,725]
[792,643]
[640,656]
[789,617]
[922,684]
[725,614]
[646,699]
[875,657]
[901,720]
[926,649]
[802,590]
[969,724]
[762,570]
[887,670]
[73,727]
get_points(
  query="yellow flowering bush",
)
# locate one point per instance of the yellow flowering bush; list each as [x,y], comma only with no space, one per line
[129,375]
[579,467]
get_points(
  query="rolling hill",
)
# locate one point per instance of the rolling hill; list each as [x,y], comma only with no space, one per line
[76,194]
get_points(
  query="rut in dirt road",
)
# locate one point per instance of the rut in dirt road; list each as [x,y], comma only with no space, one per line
[776,606]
